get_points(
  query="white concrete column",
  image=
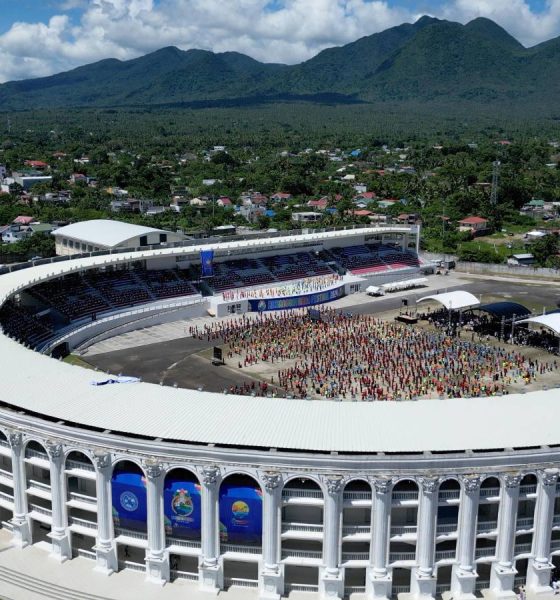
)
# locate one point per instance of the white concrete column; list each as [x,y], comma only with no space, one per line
[423,582]
[209,570]
[379,580]
[59,535]
[105,548]
[464,574]
[271,577]
[20,521]
[418,228]
[331,581]
[540,567]
[157,557]
[503,572]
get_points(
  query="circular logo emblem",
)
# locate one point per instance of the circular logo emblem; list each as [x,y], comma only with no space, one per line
[129,501]
[182,503]
[261,305]
[240,509]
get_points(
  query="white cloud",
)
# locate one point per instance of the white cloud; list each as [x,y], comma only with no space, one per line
[292,31]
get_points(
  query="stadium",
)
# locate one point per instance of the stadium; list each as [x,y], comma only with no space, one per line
[204,492]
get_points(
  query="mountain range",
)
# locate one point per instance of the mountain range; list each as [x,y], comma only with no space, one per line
[429,61]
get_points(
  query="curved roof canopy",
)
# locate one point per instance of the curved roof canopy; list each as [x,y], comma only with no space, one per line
[550,321]
[454,300]
[504,309]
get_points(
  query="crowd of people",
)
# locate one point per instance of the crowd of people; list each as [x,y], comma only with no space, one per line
[363,358]
[304,286]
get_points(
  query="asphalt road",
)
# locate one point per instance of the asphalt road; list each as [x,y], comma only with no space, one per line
[180,361]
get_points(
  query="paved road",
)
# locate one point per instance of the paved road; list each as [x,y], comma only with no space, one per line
[179,361]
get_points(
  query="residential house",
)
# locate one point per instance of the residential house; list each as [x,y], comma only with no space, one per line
[476,225]
[281,197]
[224,201]
[306,217]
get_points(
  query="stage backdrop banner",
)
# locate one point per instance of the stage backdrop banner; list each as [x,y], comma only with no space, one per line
[264,304]
[206,263]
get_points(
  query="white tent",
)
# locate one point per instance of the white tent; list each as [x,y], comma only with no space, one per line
[535,234]
[454,300]
[551,321]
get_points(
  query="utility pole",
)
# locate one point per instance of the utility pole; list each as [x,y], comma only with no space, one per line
[494,193]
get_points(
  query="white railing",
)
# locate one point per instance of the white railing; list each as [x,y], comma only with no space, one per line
[240,549]
[133,566]
[42,486]
[525,523]
[400,589]
[82,523]
[528,489]
[405,495]
[522,549]
[449,494]
[442,587]
[83,498]
[86,554]
[30,453]
[176,574]
[483,552]
[83,466]
[556,520]
[398,556]
[404,530]
[355,556]
[490,491]
[354,589]
[555,545]
[353,529]
[41,510]
[445,554]
[6,474]
[171,541]
[357,496]
[7,525]
[446,527]
[7,497]
[302,587]
[482,585]
[487,526]
[240,582]
[4,443]
[138,535]
[301,554]
[315,494]
[302,527]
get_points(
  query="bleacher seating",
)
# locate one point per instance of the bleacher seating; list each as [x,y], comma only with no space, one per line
[20,322]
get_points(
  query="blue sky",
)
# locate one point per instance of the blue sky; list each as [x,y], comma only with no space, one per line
[41,37]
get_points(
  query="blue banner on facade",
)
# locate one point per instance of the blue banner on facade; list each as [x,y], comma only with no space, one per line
[206,263]
[284,303]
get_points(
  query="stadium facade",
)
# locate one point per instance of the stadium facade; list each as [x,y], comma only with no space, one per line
[425,498]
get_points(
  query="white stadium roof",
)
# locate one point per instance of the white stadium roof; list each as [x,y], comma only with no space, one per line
[36,383]
[551,321]
[454,300]
[104,232]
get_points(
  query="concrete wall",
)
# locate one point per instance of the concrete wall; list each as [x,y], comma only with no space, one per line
[507,270]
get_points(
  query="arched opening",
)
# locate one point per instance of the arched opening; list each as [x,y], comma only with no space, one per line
[356,533]
[526,512]
[487,523]
[81,503]
[182,520]
[241,517]
[128,491]
[39,498]
[446,531]
[302,534]
[6,482]
[404,531]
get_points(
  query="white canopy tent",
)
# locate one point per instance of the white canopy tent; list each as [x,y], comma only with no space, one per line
[551,322]
[454,300]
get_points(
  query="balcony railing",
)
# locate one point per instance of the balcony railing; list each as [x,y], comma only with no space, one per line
[490,491]
[354,589]
[89,554]
[483,552]
[172,541]
[82,466]
[555,545]
[286,553]
[138,535]
[8,497]
[445,554]
[240,549]
[4,443]
[413,495]
[404,530]
[354,529]
[240,582]
[176,574]
[446,527]
[556,520]
[6,474]
[357,496]
[83,498]
[449,494]
[522,549]
[40,485]
[82,522]
[355,556]
[133,566]
[399,556]
[528,489]
[487,526]
[315,494]
[525,523]
[29,453]
[303,527]
[302,587]
[41,510]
